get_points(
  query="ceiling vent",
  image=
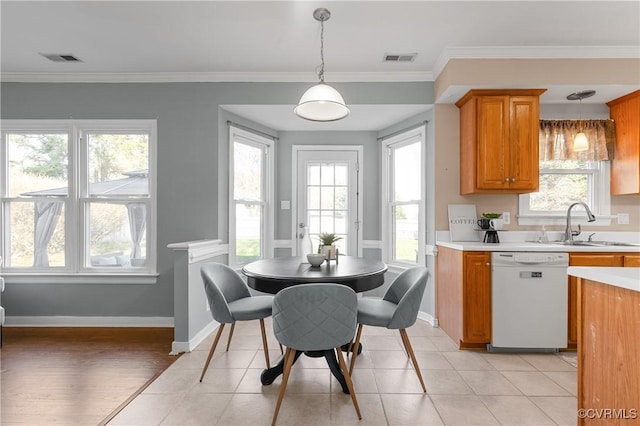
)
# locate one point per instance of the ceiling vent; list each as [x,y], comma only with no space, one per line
[404,57]
[57,57]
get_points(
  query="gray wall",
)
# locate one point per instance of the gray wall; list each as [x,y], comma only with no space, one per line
[190,136]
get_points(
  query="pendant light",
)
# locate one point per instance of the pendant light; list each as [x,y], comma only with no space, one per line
[321,102]
[580,142]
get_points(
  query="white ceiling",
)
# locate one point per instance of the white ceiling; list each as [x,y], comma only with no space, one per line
[279,41]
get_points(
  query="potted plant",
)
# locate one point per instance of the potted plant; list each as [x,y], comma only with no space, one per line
[491,215]
[327,244]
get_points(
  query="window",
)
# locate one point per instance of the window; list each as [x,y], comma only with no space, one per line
[251,193]
[79,196]
[403,216]
[563,182]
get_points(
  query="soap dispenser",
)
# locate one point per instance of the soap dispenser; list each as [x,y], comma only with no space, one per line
[543,236]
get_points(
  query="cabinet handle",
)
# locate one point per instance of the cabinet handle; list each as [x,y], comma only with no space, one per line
[487,264]
[513,180]
[507,179]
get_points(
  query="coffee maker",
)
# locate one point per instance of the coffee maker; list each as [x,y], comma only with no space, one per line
[490,235]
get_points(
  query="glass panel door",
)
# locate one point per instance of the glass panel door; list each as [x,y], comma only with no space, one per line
[327,197]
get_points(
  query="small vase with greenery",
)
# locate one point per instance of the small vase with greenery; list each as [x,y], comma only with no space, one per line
[327,244]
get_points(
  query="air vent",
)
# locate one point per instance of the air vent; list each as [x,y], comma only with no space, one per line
[404,57]
[60,57]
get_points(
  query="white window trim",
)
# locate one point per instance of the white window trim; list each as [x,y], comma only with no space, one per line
[268,218]
[403,139]
[601,207]
[74,271]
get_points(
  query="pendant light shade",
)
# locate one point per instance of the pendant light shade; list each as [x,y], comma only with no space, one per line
[321,102]
[580,142]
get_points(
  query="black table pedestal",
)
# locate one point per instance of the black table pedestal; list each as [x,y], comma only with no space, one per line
[270,374]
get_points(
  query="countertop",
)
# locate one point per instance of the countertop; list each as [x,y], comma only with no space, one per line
[628,278]
[534,247]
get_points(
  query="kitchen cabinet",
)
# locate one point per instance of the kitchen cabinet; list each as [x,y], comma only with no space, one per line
[463,296]
[632,260]
[499,136]
[608,351]
[589,259]
[625,166]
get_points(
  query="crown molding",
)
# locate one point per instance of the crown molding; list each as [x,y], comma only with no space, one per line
[449,53]
[534,52]
[199,77]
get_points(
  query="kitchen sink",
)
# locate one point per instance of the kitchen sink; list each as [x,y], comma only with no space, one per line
[595,243]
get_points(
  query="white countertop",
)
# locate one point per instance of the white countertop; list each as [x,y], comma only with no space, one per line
[534,247]
[628,278]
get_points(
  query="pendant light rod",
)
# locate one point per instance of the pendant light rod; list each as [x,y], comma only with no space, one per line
[321,14]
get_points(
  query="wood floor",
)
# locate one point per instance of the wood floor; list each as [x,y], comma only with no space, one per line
[77,376]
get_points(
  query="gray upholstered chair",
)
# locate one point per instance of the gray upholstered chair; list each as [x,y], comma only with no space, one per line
[230,300]
[314,317]
[397,310]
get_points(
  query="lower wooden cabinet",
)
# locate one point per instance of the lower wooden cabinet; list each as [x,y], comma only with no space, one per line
[463,296]
[591,259]
[608,355]
[632,260]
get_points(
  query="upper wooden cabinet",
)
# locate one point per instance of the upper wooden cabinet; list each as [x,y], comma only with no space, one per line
[625,166]
[499,141]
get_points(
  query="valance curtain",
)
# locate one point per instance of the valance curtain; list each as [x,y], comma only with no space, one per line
[556,139]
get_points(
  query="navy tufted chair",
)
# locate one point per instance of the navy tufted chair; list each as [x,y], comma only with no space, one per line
[397,310]
[314,317]
[230,300]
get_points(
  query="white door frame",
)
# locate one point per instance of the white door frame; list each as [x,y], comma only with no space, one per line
[295,149]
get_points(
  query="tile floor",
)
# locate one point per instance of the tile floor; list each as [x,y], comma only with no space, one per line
[463,388]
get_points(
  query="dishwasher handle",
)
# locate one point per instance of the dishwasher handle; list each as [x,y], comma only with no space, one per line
[512,259]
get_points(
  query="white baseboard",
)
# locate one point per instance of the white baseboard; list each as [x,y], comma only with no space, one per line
[428,318]
[68,321]
[179,347]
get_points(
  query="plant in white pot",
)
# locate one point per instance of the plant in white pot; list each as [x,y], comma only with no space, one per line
[327,244]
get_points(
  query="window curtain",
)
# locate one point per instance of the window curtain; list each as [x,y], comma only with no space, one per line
[46,217]
[556,139]
[137,223]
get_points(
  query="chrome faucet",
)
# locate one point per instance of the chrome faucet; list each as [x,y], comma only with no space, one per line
[568,232]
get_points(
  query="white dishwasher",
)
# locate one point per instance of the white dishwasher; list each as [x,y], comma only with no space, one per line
[529,300]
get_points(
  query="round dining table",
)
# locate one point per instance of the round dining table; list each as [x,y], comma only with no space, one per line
[275,274]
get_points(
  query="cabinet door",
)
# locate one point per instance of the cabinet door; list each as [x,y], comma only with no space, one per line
[625,166]
[476,299]
[493,139]
[523,166]
[632,260]
[591,259]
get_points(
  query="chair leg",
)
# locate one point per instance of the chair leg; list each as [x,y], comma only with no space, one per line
[354,348]
[407,345]
[280,348]
[347,378]
[289,357]
[264,342]
[233,326]
[213,348]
